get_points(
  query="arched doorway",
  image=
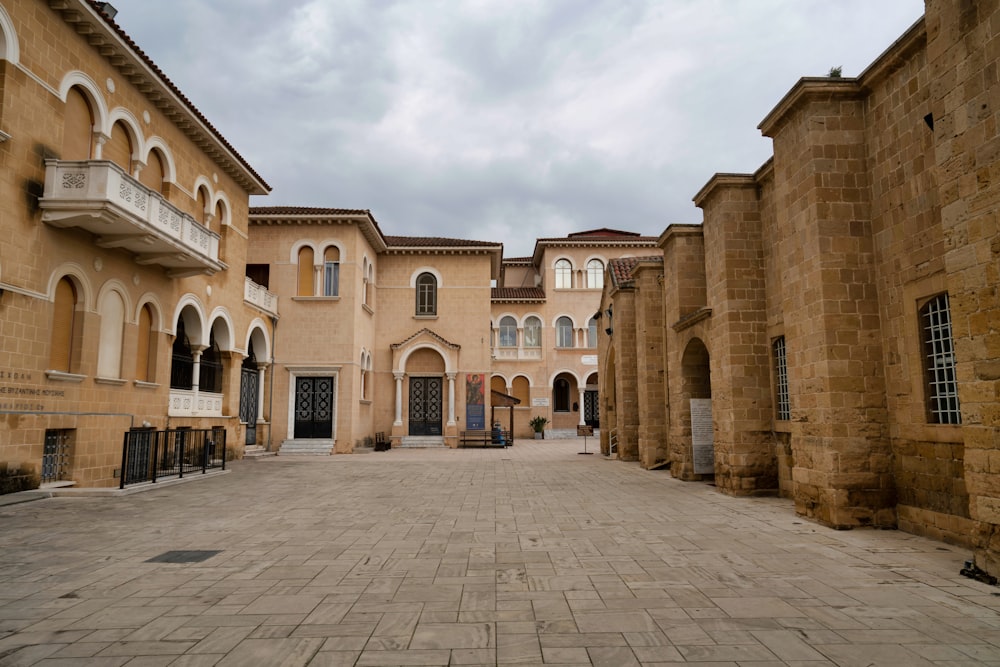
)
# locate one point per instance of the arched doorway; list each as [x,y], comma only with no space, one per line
[696,410]
[425,404]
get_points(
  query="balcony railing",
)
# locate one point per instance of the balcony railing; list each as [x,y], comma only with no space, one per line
[517,353]
[98,196]
[257,295]
[194,403]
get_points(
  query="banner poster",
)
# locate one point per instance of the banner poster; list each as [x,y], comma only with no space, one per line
[475,404]
[702,437]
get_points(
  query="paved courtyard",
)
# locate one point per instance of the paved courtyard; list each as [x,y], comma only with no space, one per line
[529,555]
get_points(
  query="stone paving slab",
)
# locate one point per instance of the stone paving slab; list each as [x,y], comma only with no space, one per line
[529,555]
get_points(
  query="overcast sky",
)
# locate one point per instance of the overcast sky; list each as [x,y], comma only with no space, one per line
[503,120]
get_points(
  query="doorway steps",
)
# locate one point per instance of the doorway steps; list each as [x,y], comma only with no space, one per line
[306,447]
[422,441]
[567,433]
[256,452]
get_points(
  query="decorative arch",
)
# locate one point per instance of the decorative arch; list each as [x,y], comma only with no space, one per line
[75,273]
[169,163]
[115,285]
[223,328]
[112,305]
[192,311]
[426,269]
[449,364]
[10,50]
[150,299]
[221,198]
[202,182]
[131,125]
[293,254]
[257,333]
[564,371]
[91,91]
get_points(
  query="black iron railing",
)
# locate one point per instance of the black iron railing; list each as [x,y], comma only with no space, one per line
[148,455]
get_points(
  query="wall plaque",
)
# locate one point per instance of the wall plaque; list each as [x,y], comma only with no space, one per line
[702,437]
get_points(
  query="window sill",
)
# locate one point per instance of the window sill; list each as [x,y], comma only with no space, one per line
[63,376]
[141,384]
[425,317]
[112,381]
[368,309]
[568,348]
[365,401]
[315,298]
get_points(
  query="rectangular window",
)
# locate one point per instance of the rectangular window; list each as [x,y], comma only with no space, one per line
[783,408]
[939,362]
[331,279]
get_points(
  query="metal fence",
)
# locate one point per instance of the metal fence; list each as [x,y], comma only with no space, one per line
[148,455]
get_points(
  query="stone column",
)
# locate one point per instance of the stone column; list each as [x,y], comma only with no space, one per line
[196,351]
[451,399]
[581,391]
[399,399]
[260,392]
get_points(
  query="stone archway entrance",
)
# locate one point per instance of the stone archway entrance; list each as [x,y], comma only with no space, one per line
[696,410]
[423,368]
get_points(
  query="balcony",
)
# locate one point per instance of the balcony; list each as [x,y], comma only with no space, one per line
[517,353]
[257,295]
[99,197]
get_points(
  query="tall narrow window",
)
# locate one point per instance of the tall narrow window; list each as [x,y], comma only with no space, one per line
[560,395]
[592,333]
[595,274]
[564,332]
[564,274]
[64,323]
[305,282]
[508,332]
[210,377]
[426,294]
[119,148]
[369,288]
[783,407]
[181,360]
[78,127]
[144,359]
[109,346]
[152,174]
[364,281]
[532,332]
[939,362]
[331,271]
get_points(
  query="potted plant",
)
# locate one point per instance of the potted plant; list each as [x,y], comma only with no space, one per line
[538,424]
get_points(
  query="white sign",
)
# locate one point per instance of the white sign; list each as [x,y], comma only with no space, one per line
[702,437]
[539,402]
[589,360]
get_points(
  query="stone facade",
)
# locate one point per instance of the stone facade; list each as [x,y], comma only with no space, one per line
[840,306]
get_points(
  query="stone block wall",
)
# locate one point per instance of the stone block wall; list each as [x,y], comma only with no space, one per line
[650,364]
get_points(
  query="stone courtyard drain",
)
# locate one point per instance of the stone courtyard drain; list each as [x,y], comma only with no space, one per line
[183,556]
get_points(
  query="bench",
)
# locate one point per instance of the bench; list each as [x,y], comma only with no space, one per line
[484,439]
[381,444]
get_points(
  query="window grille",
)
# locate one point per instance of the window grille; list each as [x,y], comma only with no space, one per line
[939,362]
[784,409]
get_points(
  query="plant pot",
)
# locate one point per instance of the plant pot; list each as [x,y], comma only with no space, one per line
[539,435]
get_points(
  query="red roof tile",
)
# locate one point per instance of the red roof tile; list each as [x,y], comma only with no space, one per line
[436,242]
[306,210]
[621,268]
[518,294]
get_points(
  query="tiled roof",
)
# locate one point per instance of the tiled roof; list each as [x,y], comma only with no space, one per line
[518,294]
[436,242]
[621,268]
[96,6]
[517,260]
[603,232]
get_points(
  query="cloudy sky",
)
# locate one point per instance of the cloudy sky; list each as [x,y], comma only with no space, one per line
[503,120]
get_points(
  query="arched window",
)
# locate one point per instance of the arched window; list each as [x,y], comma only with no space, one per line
[210,375]
[305,283]
[522,390]
[532,332]
[119,148]
[78,127]
[181,360]
[370,286]
[564,274]
[560,395]
[508,332]
[592,333]
[426,294]
[145,354]
[331,271]
[364,281]
[202,211]
[65,325]
[595,274]
[109,345]
[152,174]
[564,332]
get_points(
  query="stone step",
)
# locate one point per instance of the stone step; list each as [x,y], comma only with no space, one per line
[422,441]
[566,433]
[256,452]
[306,447]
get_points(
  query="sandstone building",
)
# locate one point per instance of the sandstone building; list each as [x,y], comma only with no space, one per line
[832,330]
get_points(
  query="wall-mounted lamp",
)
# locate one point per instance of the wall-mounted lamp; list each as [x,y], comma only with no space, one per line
[108,9]
[609,331]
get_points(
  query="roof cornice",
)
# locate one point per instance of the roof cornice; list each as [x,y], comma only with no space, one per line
[809,89]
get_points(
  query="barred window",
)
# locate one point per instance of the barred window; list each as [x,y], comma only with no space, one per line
[939,362]
[784,410]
